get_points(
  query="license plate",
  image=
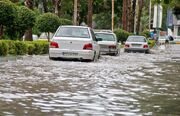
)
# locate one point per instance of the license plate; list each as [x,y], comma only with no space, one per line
[69,54]
[136,45]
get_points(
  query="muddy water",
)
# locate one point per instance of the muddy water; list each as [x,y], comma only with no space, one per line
[129,84]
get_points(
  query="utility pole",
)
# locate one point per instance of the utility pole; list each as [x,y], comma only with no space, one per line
[112,16]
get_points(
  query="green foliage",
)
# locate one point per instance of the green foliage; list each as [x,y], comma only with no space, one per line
[11,46]
[65,21]
[121,34]
[25,19]
[3,48]
[103,20]
[22,48]
[31,48]
[41,47]
[47,22]
[151,43]
[7,12]
[145,33]
[166,1]
[45,46]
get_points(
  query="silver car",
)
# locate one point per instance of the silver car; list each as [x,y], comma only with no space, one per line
[136,44]
[108,43]
[74,42]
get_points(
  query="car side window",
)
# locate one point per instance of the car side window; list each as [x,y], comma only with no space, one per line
[93,35]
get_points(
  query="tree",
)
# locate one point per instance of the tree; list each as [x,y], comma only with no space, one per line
[24,20]
[7,13]
[48,22]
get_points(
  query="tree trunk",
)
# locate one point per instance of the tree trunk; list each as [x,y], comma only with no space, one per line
[1,31]
[90,13]
[133,13]
[57,7]
[28,33]
[45,6]
[139,15]
[76,16]
[129,15]
[124,15]
[75,12]
[48,36]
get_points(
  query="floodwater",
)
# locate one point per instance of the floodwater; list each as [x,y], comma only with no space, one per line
[128,85]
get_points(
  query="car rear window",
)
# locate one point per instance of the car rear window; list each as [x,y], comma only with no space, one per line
[105,37]
[73,32]
[136,39]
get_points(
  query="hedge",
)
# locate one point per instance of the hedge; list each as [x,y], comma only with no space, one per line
[23,47]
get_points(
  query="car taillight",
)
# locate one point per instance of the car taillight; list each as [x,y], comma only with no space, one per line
[88,46]
[112,47]
[126,45]
[145,46]
[54,45]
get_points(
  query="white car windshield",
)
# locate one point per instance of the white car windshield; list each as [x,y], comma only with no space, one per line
[162,37]
[136,39]
[73,32]
[105,37]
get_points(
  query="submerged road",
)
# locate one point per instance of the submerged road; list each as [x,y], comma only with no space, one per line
[129,84]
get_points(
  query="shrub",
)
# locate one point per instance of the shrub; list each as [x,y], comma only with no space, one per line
[20,48]
[41,47]
[122,35]
[38,48]
[45,46]
[3,48]
[11,46]
[31,48]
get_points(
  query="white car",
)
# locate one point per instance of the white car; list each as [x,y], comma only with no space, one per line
[163,39]
[108,43]
[136,44]
[74,42]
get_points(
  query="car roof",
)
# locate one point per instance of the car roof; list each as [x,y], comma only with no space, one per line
[74,26]
[103,31]
[137,36]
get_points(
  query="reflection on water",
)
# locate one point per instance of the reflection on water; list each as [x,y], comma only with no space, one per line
[129,84]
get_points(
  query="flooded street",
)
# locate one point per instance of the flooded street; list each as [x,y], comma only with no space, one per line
[129,84]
